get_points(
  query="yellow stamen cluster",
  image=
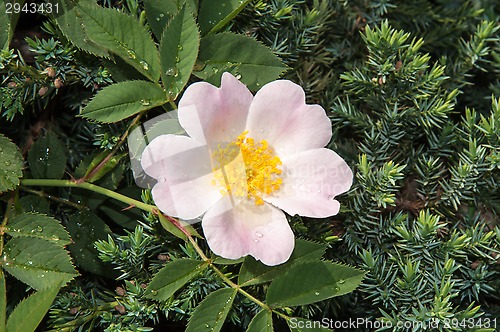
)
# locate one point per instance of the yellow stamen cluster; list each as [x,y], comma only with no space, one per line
[244,167]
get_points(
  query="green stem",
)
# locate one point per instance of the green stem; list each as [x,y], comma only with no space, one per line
[103,162]
[91,187]
[148,208]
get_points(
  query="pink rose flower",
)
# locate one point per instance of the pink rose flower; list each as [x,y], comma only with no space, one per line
[245,160]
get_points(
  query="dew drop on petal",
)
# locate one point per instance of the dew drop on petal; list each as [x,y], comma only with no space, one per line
[258,234]
[256,241]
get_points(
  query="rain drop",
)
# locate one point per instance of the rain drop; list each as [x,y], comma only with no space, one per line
[144,64]
[145,102]
[258,234]
[337,289]
[256,241]
[39,228]
[238,76]
[316,293]
[179,47]
[7,163]
[131,54]
[171,72]
[1,150]
[341,281]
[162,15]
[30,262]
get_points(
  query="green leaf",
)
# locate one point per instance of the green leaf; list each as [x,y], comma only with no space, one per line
[86,228]
[38,226]
[226,261]
[262,322]
[8,23]
[215,14]
[29,313]
[47,158]
[33,203]
[121,71]
[124,36]
[108,166]
[244,57]
[159,13]
[121,100]
[212,311]
[178,51]
[254,272]
[311,282]
[303,325]
[171,228]
[11,164]
[70,22]
[37,262]
[172,277]
[118,212]
[3,301]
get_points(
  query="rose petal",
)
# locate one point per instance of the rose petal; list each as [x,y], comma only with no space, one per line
[280,115]
[183,169]
[311,180]
[213,115]
[233,231]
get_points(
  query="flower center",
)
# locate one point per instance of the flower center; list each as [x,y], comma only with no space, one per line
[245,167]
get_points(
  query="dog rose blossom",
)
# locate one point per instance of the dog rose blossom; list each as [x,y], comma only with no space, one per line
[245,159]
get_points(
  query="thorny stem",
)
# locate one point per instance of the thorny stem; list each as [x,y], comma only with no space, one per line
[152,209]
[122,140]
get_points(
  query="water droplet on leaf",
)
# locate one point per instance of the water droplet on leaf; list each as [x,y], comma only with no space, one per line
[341,281]
[131,54]
[171,72]
[145,102]
[144,64]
